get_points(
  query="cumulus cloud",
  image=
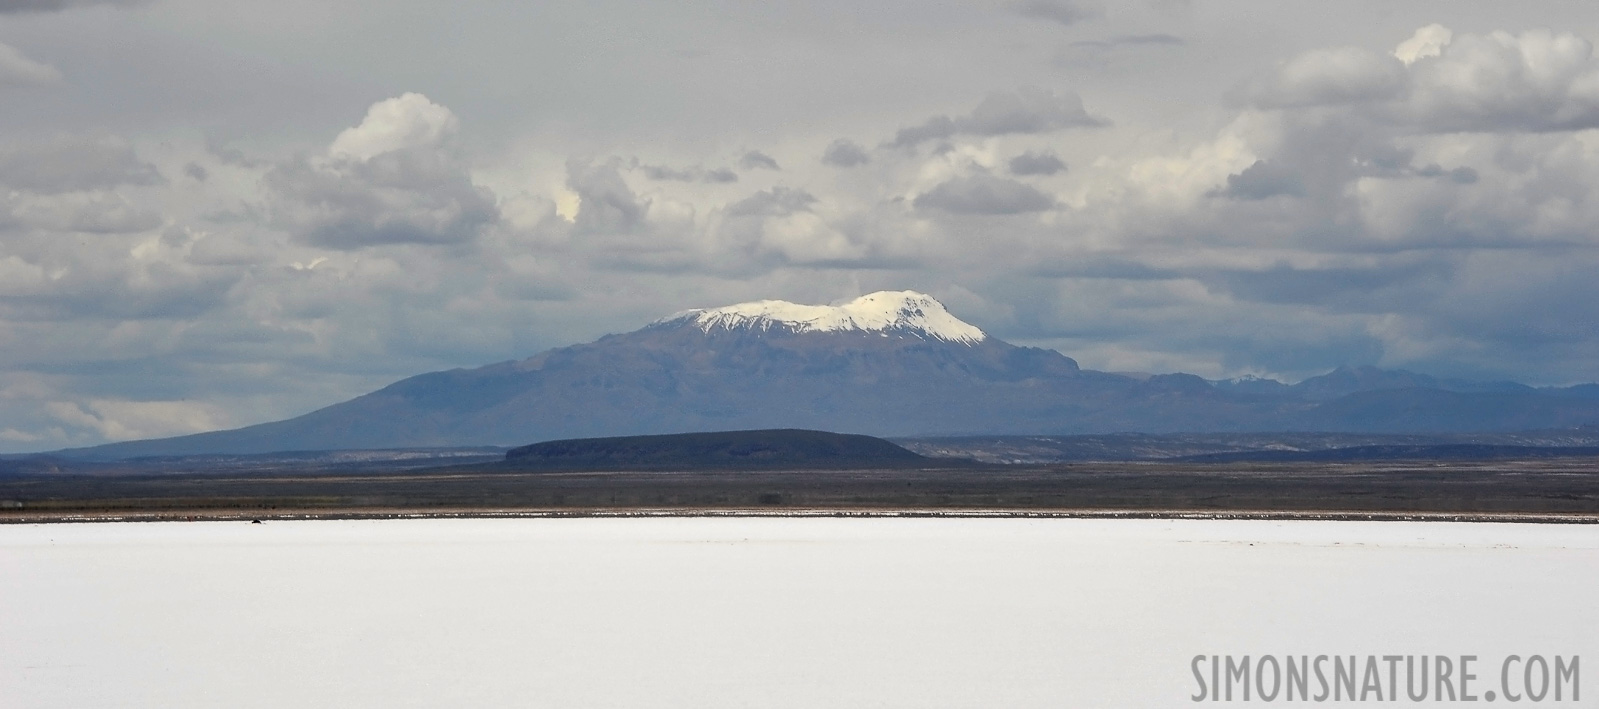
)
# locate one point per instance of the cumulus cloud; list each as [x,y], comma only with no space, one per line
[17,69]
[74,164]
[409,120]
[776,202]
[1427,42]
[845,153]
[1440,82]
[778,227]
[1263,180]
[1066,12]
[1332,76]
[1027,110]
[86,212]
[1035,163]
[757,160]
[606,205]
[393,179]
[395,198]
[984,195]
[1535,81]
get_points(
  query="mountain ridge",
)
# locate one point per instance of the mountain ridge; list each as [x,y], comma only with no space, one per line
[886,364]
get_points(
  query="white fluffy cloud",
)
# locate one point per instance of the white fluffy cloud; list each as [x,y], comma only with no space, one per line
[407,121]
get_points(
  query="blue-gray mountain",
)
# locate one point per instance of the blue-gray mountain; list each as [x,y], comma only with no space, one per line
[887,364]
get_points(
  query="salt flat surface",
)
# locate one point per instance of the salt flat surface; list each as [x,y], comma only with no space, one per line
[755,612]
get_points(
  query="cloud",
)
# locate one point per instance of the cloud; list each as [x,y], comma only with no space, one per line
[659,172]
[1263,180]
[984,194]
[1441,82]
[20,6]
[1332,76]
[1459,175]
[1031,163]
[1066,12]
[74,164]
[757,160]
[696,173]
[393,179]
[776,202]
[775,228]
[409,120]
[606,204]
[130,420]
[85,212]
[1028,110]
[18,70]
[1534,81]
[845,153]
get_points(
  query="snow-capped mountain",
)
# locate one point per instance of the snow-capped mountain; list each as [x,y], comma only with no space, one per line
[888,313]
[888,364]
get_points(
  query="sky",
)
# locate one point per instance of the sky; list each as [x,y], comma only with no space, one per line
[218,213]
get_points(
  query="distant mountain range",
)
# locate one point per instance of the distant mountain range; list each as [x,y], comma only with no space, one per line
[886,364]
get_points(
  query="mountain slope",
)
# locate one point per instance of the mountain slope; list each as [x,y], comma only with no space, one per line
[886,364]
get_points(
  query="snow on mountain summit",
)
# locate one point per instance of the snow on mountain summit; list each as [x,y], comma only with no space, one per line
[888,312]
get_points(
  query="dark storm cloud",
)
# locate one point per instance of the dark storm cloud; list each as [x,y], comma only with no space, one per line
[757,160]
[71,165]
[1066,12]
[984,194]
[845,153]
[1263,180]
[1031,163]
[21,6]
[1027,110]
